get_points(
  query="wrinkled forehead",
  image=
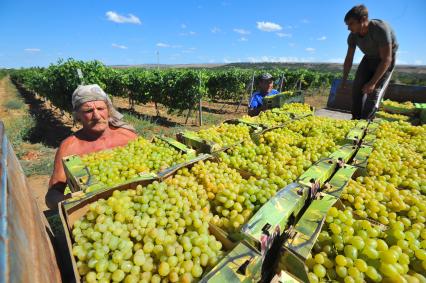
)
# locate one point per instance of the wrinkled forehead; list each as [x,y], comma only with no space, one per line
[93,104]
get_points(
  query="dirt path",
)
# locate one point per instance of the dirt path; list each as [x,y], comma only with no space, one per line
[34,156]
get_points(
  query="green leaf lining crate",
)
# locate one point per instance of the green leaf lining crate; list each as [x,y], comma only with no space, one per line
[242,264]
[356,134]
[79,177]
[316,175]
[285,277]
[344,153]
[339,181]
[278,100]
[361,158]
[307,229]
[274,217]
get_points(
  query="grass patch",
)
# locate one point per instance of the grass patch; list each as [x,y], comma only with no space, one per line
[146,128]
[19,129]
[42,164]
[14,104]
[211,119]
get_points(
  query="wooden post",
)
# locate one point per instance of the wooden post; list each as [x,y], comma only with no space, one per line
[200,116]
[251,91]
[200,106]
[281,82]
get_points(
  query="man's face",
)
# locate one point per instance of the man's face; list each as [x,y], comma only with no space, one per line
[354,25]
[94,116]
[266,85]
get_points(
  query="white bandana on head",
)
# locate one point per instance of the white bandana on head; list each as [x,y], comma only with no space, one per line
[93,92]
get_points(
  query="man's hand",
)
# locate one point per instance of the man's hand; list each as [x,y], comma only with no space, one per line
[368,88]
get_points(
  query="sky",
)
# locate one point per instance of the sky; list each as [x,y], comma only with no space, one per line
[128,32]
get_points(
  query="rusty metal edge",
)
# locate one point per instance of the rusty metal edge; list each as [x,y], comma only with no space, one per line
[4,270]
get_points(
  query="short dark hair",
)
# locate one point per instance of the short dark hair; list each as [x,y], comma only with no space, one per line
[357,13]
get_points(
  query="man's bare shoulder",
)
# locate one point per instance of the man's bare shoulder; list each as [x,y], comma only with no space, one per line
[125,132]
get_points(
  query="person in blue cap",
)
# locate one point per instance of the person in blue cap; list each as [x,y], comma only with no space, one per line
[266,88]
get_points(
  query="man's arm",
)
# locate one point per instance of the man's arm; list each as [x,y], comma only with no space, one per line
[347,65]
[57,182]
[386,60]
[254,111]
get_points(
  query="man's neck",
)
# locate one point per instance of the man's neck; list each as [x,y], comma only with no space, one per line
[364,29]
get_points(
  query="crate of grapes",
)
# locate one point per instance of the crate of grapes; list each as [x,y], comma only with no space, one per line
[138,160]
[278,100]
[405,108]
[329,248]
[141,231]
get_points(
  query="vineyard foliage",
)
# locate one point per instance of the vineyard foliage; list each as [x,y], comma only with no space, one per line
[176,89]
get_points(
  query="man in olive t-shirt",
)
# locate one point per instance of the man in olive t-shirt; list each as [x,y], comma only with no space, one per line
[377,40]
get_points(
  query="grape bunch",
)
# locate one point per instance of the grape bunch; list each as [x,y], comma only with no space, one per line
[283,154]
[408,105]
[225,134]
[278,116]
[232,198]
[392,116]
[355,250]
[151,234]
[123,163]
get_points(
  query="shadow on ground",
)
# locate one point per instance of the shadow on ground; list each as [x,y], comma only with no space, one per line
[48,130]
[159,120]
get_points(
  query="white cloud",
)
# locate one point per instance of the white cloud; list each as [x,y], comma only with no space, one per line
[241,31]
[32,49]
[187,33]
[282,34]
[292,44]
[322,38]
[310,49]
[183,26]
[243,39]
[418,62]
[119,46]
[215,30]
[166,45]
[130,19]
[268,26]
[305,21]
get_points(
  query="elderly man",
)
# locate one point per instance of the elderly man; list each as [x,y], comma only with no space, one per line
[102,129]
[266,85]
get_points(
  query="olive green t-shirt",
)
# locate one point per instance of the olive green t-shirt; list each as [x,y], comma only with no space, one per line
[379,34]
